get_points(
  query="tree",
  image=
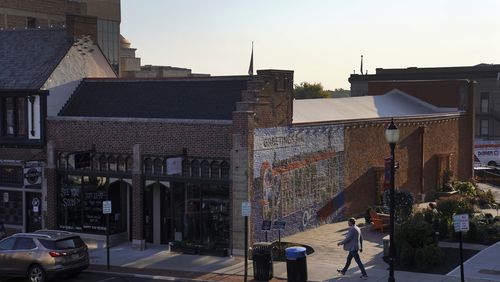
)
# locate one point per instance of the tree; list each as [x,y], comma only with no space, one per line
[306,90]
[339,93]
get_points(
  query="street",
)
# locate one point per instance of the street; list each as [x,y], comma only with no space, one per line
[85,277]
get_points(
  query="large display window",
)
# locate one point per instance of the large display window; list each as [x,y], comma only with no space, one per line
[80,204]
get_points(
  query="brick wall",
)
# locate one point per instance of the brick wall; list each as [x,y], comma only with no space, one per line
[156,137]
[366,148]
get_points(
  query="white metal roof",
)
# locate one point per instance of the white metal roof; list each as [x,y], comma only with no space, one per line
[393,104]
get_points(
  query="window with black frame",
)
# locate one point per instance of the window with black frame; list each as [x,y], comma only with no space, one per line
[13,115]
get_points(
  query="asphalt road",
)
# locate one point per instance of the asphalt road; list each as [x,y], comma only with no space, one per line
[86,277]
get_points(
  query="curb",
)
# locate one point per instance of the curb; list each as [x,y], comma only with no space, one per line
[134,275]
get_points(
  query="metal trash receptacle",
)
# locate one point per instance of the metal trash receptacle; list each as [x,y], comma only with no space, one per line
[296,264]
[262,261]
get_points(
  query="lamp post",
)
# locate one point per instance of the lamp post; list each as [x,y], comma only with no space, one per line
[392,137]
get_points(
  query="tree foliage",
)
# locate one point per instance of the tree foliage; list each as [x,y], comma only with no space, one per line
[306,90]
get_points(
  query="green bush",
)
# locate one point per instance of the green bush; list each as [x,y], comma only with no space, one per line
[442,226]
[416,233]
[485,199]
[403,207]
[447,208]
[420,259]
[433,255]
[406,255]
[465,188]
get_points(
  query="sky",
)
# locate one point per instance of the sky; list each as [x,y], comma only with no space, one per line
[320,40]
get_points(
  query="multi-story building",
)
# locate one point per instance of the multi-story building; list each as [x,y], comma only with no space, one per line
[487,99]
[40,68]
[104,18]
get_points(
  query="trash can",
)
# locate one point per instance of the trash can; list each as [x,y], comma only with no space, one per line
[262,261]
[296,264]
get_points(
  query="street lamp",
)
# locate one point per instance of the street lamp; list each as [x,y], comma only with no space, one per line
[392,137]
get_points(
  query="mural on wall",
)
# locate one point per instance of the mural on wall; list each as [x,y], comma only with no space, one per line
[298,175]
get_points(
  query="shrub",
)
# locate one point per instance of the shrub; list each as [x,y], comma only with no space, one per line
[433,255]
[420,258]
[485,199]
[368,218]
[449,207]
[466,188]
[403,205]
[442,226]
[447,181]
[406,255]
[416,233]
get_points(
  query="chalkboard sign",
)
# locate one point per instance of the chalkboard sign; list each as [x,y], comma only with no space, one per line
[266,225]
[279,225]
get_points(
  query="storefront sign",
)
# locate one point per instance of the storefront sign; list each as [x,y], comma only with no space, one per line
[461,222]
[5,197]
[106,207]
[32,176]
[245,209]
[174,166]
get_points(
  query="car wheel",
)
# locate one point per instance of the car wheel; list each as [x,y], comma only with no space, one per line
[36,274]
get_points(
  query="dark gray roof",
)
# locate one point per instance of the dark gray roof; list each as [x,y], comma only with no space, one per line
[209,98]
[28,57]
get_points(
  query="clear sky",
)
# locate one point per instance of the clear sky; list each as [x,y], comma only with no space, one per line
[321,40]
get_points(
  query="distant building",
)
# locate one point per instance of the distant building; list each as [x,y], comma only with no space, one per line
[487,98]
[103,16]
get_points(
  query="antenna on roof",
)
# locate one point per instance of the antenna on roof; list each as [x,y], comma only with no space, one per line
[361,65]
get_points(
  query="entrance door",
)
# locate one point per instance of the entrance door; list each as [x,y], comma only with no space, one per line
[33,211]
[166,215]
[148,214]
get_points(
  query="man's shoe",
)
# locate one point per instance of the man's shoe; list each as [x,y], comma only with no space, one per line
[364,277]
[340,271]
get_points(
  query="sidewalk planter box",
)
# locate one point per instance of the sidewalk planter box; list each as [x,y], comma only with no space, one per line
[220,252]
[184,248]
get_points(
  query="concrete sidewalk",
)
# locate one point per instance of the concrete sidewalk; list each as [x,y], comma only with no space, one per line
[157,261]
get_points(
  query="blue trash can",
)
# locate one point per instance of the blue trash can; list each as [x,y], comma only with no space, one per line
[296,264]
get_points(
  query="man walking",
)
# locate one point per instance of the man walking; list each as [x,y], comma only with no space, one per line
[353,243]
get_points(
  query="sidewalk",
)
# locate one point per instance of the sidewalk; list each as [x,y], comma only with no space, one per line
[158,262]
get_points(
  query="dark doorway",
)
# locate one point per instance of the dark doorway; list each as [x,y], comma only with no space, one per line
[148,214]
[33,211]
[166,215]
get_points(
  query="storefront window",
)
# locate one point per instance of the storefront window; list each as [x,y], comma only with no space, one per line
[11,207]
[215,211]
[80,204]
[11,175]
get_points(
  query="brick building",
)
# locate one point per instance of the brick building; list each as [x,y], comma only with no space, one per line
[39,71]
[487,98]
[178,157]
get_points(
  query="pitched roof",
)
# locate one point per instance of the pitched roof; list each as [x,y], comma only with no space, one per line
[393,104]
[28,57]
[211,98]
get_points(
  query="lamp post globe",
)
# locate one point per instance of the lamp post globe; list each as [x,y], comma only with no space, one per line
[392,137]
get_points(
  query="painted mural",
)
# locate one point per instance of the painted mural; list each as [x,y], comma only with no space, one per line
[298,176]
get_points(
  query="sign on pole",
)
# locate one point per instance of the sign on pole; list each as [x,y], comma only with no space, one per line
[461,222]
[106,207]
[245,209]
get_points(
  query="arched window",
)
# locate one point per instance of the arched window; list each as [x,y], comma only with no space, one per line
[224,170]
[195,168]
[157,167]
[148,166]
[103,163]
[112,163]
[95,162]
[121,165]
[63,161]
[186,168]
[215,170]
[129,163]
[205,169]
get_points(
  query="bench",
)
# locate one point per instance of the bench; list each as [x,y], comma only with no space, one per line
[379,220]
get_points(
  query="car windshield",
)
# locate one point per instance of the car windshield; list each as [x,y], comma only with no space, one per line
[64,244]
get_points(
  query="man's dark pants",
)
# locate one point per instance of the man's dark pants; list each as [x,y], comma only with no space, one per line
[355,255]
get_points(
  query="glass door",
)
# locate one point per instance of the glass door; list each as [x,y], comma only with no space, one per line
[166,215]
[33,211]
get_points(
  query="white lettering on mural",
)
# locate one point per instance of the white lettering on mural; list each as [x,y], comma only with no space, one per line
[282,141]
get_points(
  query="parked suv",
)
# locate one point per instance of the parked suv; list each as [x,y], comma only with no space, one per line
[42,255]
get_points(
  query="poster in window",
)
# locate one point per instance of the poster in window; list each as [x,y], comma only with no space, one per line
[174,166]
